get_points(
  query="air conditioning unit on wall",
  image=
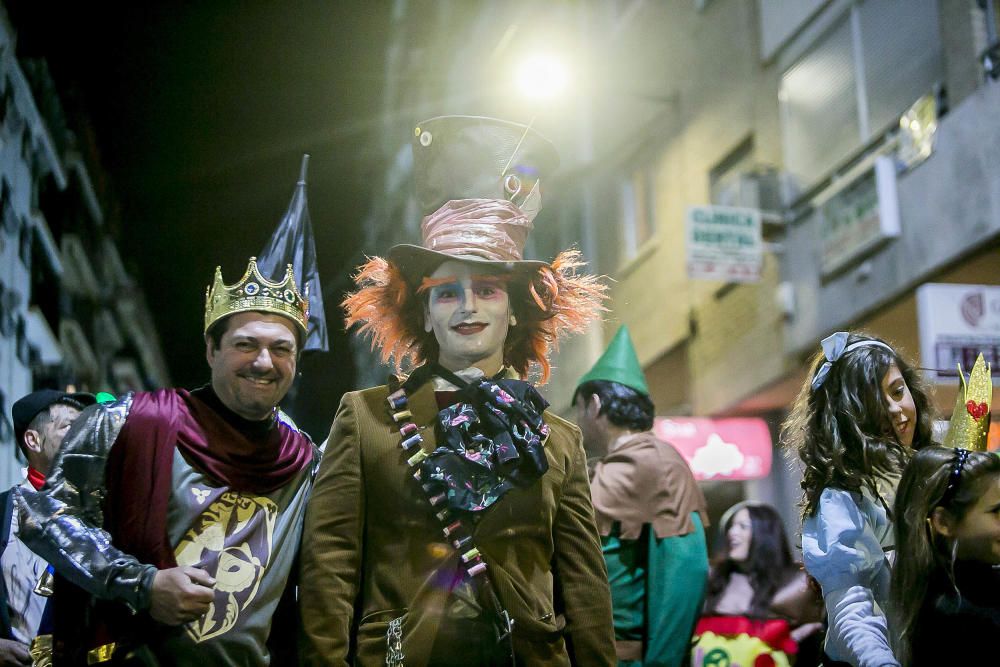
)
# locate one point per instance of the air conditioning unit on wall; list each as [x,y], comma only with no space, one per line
[760,188]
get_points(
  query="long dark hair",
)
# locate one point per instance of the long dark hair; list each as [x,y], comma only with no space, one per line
[842,431]
[923,552]
[769,564]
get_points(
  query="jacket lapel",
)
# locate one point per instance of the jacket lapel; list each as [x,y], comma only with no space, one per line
[423,405]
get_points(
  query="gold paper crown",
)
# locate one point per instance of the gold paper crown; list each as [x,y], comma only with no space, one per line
[970,421]
[255,292]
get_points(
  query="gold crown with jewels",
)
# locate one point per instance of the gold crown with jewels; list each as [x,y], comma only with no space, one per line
[254,292]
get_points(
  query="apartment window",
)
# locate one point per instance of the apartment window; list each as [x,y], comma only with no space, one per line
[638,211]
[6,427]
[23,348]
[6,99]
[8,219]
[27,236]
[855,81]
[725,179]
[8,301]
[26,145]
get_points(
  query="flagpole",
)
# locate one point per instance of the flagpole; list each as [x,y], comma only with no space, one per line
[304,169]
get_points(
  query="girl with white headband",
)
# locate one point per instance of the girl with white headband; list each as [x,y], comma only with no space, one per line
[860,412]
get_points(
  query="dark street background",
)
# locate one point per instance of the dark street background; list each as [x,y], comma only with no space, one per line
[201,112]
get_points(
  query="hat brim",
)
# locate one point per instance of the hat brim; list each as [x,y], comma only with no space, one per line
[28,407]
[416,262]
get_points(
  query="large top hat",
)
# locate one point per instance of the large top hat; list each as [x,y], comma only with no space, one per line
[478,182]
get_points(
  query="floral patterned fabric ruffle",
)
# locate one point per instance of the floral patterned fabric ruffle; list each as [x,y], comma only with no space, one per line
[490,441]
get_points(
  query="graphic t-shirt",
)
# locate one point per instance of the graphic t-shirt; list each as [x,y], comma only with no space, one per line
[247,542]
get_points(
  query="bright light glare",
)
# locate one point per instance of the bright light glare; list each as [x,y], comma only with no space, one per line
[542,76]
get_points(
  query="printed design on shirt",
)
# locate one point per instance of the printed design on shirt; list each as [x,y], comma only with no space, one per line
[201,495]
[232,540]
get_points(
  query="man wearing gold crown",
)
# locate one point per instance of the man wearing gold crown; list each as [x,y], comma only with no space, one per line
[201,497]
[451,521]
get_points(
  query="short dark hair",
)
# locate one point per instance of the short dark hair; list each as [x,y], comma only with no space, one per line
[39,421]
[217,331]
[622,405]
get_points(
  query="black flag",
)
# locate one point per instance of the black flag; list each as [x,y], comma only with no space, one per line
[293,243]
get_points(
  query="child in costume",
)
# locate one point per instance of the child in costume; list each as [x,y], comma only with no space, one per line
[451,523]
[759,605]
[853,424]
[945,585]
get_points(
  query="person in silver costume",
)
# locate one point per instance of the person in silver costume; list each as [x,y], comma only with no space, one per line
[181,512]
[41,420]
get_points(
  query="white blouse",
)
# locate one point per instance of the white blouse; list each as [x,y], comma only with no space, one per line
[846,547]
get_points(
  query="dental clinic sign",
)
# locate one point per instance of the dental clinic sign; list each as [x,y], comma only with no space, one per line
[957,324]
[719,449]
[724,243]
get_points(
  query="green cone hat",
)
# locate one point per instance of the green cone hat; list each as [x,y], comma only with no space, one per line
[620,364]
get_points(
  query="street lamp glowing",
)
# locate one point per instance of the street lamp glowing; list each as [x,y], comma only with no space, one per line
[542,76]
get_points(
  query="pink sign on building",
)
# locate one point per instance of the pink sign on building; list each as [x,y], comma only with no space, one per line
[720,449]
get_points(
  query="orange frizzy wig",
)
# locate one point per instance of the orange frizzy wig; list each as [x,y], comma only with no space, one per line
[549,303]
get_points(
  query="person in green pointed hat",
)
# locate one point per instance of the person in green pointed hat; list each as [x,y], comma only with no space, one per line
[650,513]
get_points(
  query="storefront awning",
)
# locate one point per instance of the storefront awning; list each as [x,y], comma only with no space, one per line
[720,449]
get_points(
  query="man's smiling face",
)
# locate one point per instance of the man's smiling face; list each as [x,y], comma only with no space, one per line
[254,365]
[468,309]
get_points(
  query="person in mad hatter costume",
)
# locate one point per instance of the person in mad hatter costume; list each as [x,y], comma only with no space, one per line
[650,512]
[451,521]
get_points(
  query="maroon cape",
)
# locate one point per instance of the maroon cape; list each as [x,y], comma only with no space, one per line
[139,476]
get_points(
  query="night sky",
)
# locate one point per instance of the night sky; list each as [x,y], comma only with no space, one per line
[202,112]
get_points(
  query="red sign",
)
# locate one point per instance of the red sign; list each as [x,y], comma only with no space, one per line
[719,449]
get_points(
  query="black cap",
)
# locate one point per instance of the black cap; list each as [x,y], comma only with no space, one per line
[470,157]
[27,408]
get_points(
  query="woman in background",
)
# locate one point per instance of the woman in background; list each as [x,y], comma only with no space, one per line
[945,588]
[854,423]
[758,601]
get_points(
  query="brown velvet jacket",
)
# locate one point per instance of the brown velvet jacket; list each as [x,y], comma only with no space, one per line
[373,549]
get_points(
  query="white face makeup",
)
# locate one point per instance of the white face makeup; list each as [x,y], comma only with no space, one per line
[468,310]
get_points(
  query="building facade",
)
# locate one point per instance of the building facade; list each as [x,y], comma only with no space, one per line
[793,109]
[71,315]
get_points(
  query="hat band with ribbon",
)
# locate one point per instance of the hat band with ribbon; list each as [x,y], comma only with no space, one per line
[492,229]
[834,347]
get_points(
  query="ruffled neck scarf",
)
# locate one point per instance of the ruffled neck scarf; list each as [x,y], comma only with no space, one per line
[489,439]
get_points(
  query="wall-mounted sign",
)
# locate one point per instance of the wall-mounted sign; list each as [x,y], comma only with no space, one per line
[957,323]
[719,449]
[724,243]
[860,217]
